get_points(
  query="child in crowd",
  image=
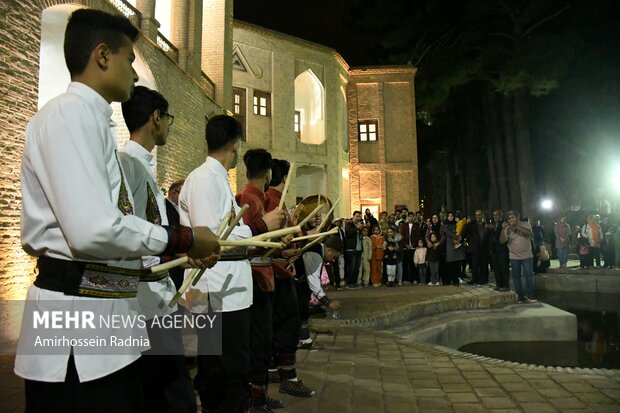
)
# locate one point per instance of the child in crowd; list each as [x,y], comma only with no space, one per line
[585,260]
[363,279]
[376,264]
[419,259]
[433,255]
[390,259]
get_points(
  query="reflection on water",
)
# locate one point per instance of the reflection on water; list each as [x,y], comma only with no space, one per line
[598,345]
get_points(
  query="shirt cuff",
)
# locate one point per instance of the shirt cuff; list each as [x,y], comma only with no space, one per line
[180,239]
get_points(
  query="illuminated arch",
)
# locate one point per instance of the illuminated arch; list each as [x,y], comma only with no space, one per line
[53,73]
[310,103]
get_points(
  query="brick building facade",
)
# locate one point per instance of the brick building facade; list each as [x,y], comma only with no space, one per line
[314,103]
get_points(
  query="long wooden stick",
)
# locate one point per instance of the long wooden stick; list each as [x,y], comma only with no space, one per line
[291,170]
[330,232]
[310,216]
[195,274]
[279,233]
[250,243]
[324,221]
[310,244]
[224,224]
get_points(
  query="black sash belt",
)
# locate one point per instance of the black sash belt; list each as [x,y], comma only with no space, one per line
[87,279]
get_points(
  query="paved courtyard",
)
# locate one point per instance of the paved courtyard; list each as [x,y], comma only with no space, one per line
[358,367]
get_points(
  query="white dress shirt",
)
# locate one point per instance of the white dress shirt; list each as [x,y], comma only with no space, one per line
[153,296]
[205,200]
[313,265]
[70,182]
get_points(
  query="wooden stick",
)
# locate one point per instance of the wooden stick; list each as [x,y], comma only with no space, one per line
[327,215]
[250,243]
[168,265]
[330,232]
[310,244]
[279,233]
[235,221]
[289,178]
[223,225]
[195,274]
[310,216]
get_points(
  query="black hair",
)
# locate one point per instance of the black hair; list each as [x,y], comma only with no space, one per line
[175,185]
[356,212]
[257,162]
[391,244]
[143,102]
[335,243]
[87,28]
[279,170]
[411,214]
[222,130]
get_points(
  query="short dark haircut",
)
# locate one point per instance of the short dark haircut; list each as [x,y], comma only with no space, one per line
[257,163]
[87,28]
[222,130]
[411,214]
[176,185]
[335,243]
[391,244]
[356,212]
[279,170]
[143,102]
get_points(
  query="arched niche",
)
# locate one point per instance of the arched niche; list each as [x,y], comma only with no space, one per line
[310,107]
[53,73]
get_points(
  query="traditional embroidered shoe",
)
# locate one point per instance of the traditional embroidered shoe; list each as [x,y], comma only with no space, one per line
[274,403]
[296,388]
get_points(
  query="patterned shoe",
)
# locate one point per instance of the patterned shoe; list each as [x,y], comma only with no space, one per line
[274,403]
[274,376]
[260,409]
[296,388]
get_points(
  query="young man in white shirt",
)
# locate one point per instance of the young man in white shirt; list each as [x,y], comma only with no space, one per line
[206,198]
[77,218]
[166,383]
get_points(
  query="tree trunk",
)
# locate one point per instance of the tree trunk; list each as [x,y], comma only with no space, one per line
[493,201]
[511,154]
[524,150]
[449,181]
[498,149]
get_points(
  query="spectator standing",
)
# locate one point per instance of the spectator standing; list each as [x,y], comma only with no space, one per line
[419,259]
[390,259]
[616,238]
[409,232]
[393,236]
[455,254]
[433,254]
[477,237]
[562,233]
[517,235]
[353,248]
[538,233]
[369,219]
[499,254]
[363,279]
[376,265]
[592,231]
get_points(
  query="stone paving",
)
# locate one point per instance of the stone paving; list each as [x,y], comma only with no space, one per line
[357,367]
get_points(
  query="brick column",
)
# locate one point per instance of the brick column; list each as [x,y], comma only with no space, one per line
[149,24]
[179,23]
[194,39]
[217,43]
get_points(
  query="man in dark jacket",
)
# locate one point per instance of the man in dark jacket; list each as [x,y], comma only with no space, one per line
[499,254]
[353,248]
[477,236]
[409,231]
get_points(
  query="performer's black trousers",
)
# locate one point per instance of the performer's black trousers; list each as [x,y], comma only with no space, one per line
[166,383]
[119,392]
[303,302]
[286,322]
[261,336]
[222,381]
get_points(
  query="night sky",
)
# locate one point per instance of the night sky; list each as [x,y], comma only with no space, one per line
[327,22]
[575,128]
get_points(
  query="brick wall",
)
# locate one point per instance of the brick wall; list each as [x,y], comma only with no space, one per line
[20,34]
